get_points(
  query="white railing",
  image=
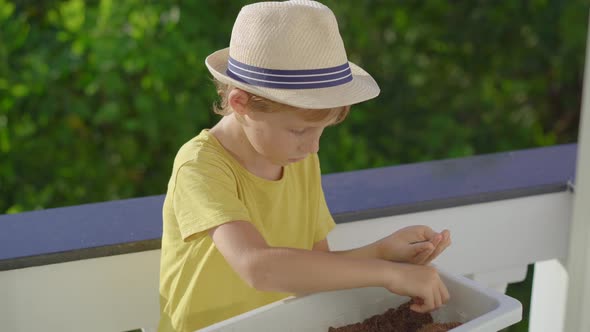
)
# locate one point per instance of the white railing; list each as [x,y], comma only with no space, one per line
[492,242]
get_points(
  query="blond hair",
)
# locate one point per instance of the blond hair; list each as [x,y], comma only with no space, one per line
[261,104]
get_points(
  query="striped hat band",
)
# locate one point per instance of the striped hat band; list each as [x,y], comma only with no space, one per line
[289,79]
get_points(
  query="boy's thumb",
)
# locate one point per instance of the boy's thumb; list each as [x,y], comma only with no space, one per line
[421,252]
[423,246]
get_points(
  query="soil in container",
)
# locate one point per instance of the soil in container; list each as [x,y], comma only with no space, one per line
[401,319]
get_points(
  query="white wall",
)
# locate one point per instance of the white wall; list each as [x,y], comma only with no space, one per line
[115,293]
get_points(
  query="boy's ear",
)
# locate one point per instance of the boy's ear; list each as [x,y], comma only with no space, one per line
[238,100]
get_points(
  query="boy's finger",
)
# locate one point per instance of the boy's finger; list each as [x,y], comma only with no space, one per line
[437,297]
[417,304]
[422,247]
[437,250]
[445,243]
[428,233]
[446,235]
[419,308]
[422,305]
[438,238]
[445,294]
[435,253]
[421,258]
[422,251]
[429,303]
[441,246]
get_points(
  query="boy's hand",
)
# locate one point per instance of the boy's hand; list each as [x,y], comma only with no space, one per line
[414,244]
[422,283]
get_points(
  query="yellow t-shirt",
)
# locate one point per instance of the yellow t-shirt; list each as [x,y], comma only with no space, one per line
[208,187]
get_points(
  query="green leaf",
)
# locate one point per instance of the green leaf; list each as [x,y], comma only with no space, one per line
[73,14]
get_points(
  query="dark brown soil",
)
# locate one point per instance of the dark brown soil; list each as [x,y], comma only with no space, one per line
[401,319]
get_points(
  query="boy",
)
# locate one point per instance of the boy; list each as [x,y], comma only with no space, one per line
[245,219]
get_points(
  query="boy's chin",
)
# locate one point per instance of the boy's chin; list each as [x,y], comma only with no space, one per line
[286,161]
[280,162]
[294,160]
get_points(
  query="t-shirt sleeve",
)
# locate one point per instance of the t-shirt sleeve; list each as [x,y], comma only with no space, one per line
[205,196]
[325,222]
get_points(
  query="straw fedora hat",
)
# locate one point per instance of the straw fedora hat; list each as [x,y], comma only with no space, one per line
[291,52]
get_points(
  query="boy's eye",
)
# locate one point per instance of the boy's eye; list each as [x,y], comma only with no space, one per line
[298,131]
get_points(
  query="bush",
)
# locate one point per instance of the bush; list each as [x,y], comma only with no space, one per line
[96,97]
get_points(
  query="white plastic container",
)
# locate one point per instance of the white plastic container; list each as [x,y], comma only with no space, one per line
[477,307]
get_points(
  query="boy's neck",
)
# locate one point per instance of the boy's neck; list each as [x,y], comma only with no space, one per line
[229,132]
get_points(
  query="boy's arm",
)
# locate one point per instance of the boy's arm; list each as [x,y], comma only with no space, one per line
[305,271]
[368,251]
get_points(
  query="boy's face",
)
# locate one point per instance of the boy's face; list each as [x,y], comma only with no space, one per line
[283,137]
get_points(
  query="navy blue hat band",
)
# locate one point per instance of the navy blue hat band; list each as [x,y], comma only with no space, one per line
[289,79]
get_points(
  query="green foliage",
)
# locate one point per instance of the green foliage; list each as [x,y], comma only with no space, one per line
[96,97]
[460,78]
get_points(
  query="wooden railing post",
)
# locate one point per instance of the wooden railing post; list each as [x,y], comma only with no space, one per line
[578,299]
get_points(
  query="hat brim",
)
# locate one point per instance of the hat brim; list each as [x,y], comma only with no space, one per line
[362,87]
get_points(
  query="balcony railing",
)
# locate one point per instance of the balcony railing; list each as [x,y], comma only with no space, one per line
[94,267]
